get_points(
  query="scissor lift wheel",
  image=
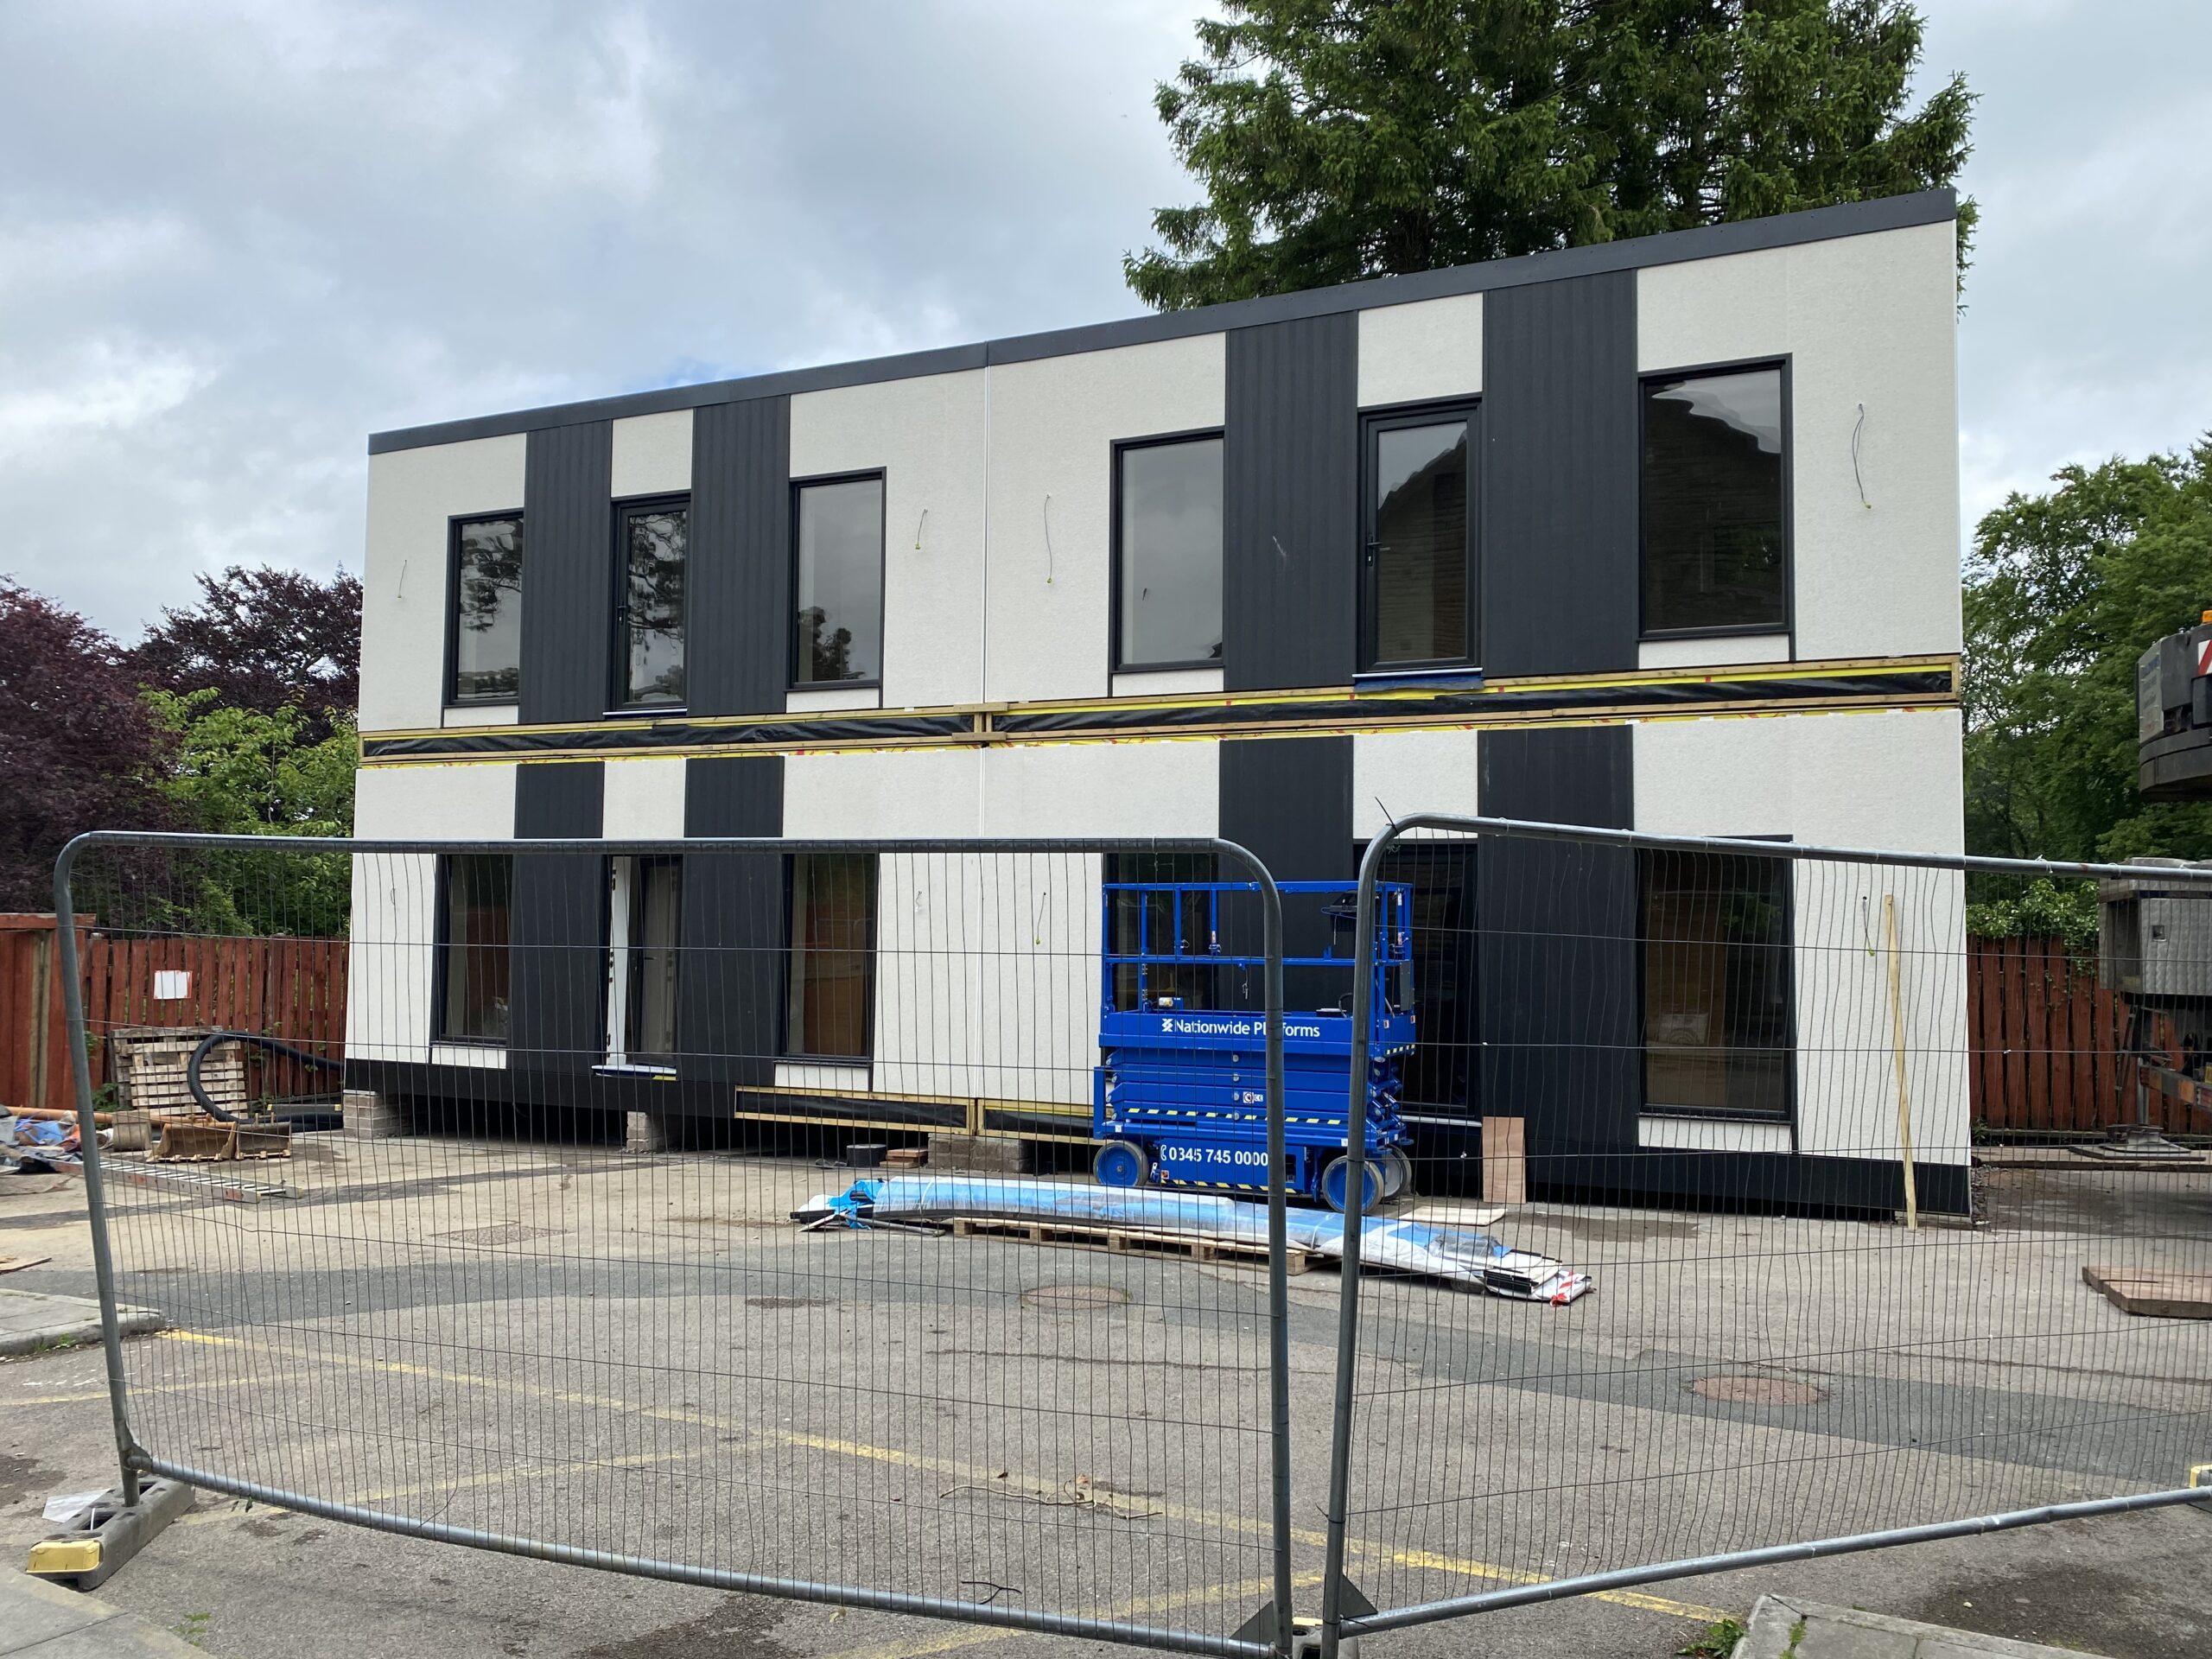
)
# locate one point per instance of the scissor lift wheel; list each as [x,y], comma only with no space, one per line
[1120,1163]
[1336,1176]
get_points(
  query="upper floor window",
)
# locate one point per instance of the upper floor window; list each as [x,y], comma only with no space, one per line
[472,943]
[1167,554]
[838,582]
[1417,588]
[653,539]
[485,614]
[1714,542]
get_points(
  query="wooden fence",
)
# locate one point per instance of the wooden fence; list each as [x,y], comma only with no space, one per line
[290,989]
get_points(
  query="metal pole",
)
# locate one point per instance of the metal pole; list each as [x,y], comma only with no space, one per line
[1363,1014]
[1278,1259]
[80,1066]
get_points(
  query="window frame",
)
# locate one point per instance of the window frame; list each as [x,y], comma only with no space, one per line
[862,475]
[443,948]
[1786,1114]
[1114,661]
[1787,624]
[655,1061]
[617,656]
[785,1052]
[1396,417]
[447,697]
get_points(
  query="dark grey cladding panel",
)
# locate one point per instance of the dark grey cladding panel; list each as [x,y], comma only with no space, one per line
[557,926]
[729,992]
[740,593]
[1289,800]
[1290,503]
[568,584]
[1562,1017]
[1560,463]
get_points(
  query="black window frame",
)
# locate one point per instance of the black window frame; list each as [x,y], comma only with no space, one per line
[1788,626]
[449,698]
[1396,417]
[871,952]
[791,680]
[1115,663]
[632,968]
[443,948]
[1786,1114]
[618,662]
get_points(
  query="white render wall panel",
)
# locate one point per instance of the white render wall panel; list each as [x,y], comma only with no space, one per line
[1397,774]
[395,894]
[1714,652]
[643,799]
[1053,423]
[1866,321]
[923,793]
[927,436]
[1430,350]
[652,455]
[413,493]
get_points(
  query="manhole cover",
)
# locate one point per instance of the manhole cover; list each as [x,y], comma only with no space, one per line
[1737,1390]
[509,1232]
[1075,1298]
[784,1301]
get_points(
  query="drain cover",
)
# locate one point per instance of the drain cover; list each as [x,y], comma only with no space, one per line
[1734,1390]
[1075,1298]
[784,1301]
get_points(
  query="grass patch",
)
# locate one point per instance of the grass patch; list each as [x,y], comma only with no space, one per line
[1717,1641]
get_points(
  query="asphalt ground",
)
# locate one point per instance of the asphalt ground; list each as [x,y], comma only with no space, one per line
[644,1355]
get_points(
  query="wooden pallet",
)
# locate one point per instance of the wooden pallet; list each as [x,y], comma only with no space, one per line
[1123,1241]
[2158,1292]
[150,1070]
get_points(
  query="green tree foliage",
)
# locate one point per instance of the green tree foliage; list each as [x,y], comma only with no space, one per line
[2063,593]
[1340,139]
[238,771]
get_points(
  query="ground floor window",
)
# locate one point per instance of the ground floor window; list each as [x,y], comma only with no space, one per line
[1717,1003]
[832,956]
[645,916]
[1148,917]
[472,945]
[1443,1071]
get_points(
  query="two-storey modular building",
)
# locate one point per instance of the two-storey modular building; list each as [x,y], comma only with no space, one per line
[1659,534]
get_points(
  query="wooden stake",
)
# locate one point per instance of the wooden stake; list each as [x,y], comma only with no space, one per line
[1896,1054]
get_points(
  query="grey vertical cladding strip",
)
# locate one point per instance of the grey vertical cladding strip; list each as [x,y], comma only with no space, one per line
[1290,503]
[739,576]
[1559,483]
[1559,974]
[1288,801]
[729,994]
[557,928]
[568,588]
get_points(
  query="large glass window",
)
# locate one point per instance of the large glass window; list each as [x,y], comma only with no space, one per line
[1417,601]
[487,630]
[1717,997]
[839,582]
[1714,545]
[644,915]
[832,955]
[1442,1073]
[473,947]
[655,540]
[1167,554]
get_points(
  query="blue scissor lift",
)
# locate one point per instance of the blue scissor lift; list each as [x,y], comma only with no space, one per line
[1179,1096]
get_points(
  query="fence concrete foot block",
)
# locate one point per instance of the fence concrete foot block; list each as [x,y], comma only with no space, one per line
[87,1552]
[978,1154]
[645,1132]
[369,1116]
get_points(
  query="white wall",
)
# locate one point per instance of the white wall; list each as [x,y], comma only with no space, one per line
[651,455]
[1402,773]
[1430,349]
[643,799]
[1864,320]
[927,436]
[395,899]
[1053,424]
[1886,780]
[412,494]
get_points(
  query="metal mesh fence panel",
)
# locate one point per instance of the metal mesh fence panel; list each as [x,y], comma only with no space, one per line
[623,1256]
[1752,1092]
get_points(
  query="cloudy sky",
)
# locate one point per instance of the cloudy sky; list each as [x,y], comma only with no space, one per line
[238,236]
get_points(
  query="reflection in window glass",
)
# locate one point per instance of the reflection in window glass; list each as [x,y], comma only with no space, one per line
[1170,554]
[654,541]
[1712,534]
[1419,591]
[832,954]
[839,582]
[473,944]
[1717,997]
[488,597]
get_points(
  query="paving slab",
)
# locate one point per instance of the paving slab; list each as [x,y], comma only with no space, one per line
[1784,1627]
[51,1622]
[34,1320]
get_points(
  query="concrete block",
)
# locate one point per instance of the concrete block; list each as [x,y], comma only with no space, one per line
[645,1132]
[978,1154]
[369,1118]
